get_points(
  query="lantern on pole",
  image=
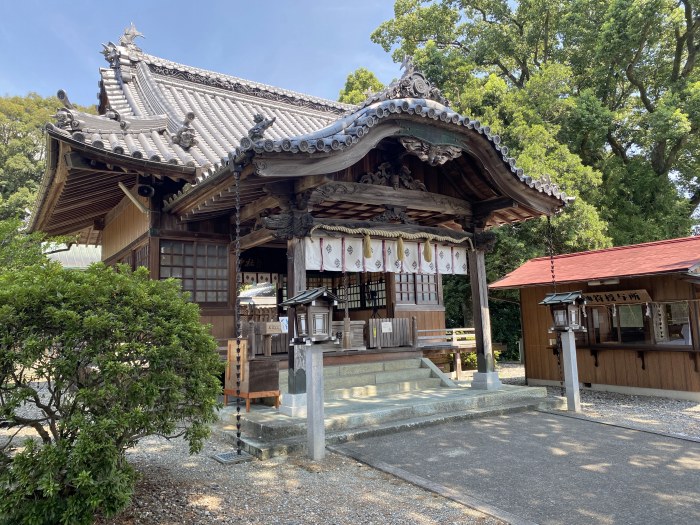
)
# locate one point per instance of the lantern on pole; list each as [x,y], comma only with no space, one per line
[568,311]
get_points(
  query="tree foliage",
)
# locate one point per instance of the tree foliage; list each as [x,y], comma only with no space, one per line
[358,84]
[602,94]
[91,362]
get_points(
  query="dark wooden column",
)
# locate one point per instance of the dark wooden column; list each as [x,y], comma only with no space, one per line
[482,318]
[296,282]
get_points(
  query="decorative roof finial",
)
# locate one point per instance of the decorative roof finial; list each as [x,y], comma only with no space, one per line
[63,97]
[407,65]
[185,135]
[261,125]
[130,34]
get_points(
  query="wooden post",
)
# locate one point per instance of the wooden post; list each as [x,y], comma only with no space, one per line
[458,364]
[570,366]
[482,319]
[414,331]
[486,377]
[296,282]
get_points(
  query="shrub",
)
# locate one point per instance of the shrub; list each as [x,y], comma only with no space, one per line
[92,362]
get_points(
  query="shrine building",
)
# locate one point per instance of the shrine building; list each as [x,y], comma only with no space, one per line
[182,169]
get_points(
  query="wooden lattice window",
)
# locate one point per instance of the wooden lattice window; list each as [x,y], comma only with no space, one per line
[426,289]
[375,290]
[416,288]
[202,268]
[316,281]
[405,288]
[141,256]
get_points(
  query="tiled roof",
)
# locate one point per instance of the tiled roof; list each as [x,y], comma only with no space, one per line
[147,100]
[307,296]
[669,256]
[78,256]
[167,112]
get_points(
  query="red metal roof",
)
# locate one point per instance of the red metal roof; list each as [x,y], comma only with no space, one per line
[670,256]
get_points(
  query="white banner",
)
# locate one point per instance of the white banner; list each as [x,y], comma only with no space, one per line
[338,254]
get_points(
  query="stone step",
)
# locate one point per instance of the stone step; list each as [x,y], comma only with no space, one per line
[382,389]
[367,379]
[264,449]
[348,414]
[349,381]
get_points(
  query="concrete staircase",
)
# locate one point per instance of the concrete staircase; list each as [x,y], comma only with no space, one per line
[364,400]
[377,379]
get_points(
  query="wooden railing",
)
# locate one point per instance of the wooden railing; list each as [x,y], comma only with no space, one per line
[463,338]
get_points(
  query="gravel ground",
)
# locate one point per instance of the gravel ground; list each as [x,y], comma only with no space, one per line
[176,488]
[657,414]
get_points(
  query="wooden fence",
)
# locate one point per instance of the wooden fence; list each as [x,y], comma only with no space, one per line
[462,338]
[389,333]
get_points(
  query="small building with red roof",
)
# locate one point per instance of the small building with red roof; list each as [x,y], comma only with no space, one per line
[642,317]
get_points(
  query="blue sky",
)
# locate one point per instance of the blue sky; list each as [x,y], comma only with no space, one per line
[296,44]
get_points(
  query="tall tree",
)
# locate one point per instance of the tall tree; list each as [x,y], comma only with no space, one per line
[358,84]
[612,83]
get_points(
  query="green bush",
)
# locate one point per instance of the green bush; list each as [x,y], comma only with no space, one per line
[469,359]
[92,362]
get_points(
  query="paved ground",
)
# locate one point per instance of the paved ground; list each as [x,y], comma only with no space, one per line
[548,469]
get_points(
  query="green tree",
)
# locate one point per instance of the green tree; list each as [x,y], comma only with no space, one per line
[17,249]
[357,86]
[22,141]
[91,362]
[614,83]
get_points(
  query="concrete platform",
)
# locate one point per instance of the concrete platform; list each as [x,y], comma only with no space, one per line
[268,433]
[546,468]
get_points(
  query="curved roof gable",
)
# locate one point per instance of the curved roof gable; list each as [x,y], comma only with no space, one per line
[200,122]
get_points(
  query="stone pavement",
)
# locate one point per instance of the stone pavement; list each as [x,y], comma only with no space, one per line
[540,467]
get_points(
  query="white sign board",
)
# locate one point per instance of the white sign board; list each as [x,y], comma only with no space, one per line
[386,327]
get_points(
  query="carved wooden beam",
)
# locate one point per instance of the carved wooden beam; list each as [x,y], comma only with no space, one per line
[381,195]
[256,238]
[252,210]
[309,183]
[485,208]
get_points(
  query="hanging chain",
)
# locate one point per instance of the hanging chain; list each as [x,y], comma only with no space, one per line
[237,179]
[558,350]
[550,242]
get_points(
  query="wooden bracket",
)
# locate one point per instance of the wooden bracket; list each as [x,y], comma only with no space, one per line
[133,198]
[641,355]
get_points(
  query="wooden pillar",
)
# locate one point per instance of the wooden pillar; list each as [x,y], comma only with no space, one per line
[482,319]
[296,282]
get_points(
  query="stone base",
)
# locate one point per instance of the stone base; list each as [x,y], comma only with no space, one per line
[293,405]
[486,381]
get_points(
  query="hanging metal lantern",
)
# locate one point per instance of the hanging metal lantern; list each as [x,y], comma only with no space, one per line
[314,315]
[567,311]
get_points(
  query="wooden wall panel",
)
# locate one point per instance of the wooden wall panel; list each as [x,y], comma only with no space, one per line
[425,319]
[123,225]
[222,325]
[670,370]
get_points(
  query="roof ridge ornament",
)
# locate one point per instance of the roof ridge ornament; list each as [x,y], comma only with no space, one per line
[185,134]
[130,34]
[412,84]
[257,132]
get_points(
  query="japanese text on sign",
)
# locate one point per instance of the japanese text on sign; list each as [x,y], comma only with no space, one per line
[618,297]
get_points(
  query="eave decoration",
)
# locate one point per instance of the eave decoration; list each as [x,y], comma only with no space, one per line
[388,175]
[412,84]
[433,154]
